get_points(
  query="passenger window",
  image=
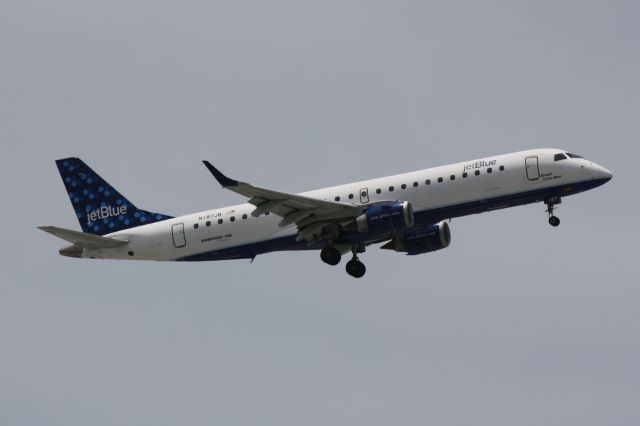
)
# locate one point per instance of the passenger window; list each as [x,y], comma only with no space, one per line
[195,226]
[351,196]
[440,179]
[452,177]
[477,172]
[559,157]
[208,223]
[427,182]
[415,184]
[391,189]
[489,170]
[244,216]
[403,186]
[464,175]
[337,198]
[378,191]
[502,168]
[232,218]
[220,221]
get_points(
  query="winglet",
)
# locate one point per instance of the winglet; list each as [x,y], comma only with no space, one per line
[222,179]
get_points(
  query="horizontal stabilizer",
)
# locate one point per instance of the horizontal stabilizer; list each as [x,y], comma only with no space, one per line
[83,239]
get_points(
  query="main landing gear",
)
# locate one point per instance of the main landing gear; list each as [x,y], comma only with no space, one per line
[551,206]
[331,256]
[355,268]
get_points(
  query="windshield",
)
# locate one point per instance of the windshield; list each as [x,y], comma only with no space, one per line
[574,155]
[559,157]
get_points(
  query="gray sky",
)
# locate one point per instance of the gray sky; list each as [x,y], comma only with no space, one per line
[515,323]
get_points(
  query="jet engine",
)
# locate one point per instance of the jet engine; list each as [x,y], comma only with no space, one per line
[422,240]
[394,216]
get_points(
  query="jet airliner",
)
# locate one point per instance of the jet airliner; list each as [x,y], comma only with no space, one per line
[406,213]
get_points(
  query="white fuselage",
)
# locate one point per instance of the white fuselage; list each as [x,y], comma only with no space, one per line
[491,178]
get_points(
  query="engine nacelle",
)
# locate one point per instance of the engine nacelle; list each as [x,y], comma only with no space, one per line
[394,216]
[423,240]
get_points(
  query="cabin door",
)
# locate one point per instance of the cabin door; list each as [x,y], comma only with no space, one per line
[533,171]
[178,235]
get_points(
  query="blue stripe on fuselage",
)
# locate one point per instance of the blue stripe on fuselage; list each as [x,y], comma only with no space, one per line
[422,218]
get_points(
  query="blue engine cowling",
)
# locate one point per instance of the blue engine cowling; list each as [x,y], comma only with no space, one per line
[422,240]
[390,217]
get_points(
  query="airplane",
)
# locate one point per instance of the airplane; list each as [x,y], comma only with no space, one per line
[406,213]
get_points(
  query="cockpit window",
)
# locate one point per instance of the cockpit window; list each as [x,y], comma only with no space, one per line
[574,155]
[559,157]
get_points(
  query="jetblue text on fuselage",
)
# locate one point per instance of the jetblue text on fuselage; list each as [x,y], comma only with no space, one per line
[105,212]
[479,164]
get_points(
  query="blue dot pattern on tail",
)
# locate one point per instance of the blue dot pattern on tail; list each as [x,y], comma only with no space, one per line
[100,209]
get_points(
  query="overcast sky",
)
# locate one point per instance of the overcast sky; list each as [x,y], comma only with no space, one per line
[515,323]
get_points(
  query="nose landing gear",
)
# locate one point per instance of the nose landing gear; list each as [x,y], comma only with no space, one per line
[551,203]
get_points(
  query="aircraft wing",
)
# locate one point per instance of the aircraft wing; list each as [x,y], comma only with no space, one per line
[316,219]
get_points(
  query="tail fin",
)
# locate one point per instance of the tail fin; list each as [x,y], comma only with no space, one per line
[100,209]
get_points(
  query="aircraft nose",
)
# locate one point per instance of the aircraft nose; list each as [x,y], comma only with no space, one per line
[600,172]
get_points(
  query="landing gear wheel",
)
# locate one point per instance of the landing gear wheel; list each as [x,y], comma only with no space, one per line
[330,255]
[554,221]
[355,268]
[551,206]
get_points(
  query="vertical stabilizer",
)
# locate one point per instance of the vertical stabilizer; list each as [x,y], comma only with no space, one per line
[99,207]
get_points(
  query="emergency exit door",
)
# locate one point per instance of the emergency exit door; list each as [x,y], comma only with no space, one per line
[364,195]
